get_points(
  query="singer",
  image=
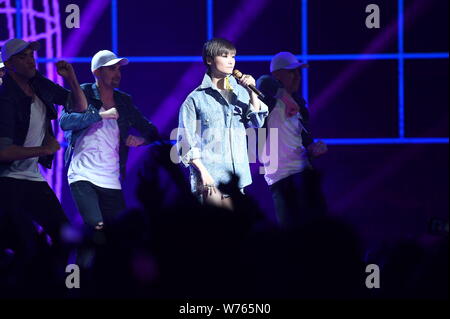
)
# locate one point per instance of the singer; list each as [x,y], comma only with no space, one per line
[212,125]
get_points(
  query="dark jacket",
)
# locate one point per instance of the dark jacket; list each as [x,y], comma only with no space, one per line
[74,124]
[15,110]
[269,86]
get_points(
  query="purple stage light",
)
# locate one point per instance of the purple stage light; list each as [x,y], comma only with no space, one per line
[237,24]
[345,77]
[9,12]
[50,38]
[91,14]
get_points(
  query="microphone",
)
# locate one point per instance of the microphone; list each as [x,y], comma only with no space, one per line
[238,75]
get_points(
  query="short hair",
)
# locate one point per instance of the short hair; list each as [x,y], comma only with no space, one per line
[217,47]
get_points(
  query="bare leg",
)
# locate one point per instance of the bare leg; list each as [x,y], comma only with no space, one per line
[213,197]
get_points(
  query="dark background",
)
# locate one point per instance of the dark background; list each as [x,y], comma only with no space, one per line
[388,191]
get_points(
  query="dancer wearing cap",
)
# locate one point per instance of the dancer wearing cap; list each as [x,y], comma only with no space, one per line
[99,140]
[294,184]
[2,69]
[27,101]
[212,122]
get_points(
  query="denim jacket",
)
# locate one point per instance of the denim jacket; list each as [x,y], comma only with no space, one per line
[75,124]
[15,111]
[213,130]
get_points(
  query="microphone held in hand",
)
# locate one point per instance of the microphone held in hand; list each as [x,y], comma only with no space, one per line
[238,75]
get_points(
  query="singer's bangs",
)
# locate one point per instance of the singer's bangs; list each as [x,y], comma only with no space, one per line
[226,51]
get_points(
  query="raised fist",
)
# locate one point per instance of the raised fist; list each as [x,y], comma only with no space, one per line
[65,69]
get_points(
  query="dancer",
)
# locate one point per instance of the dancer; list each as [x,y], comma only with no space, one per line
[294,183]
[99,141]
[2,69]
[27,101]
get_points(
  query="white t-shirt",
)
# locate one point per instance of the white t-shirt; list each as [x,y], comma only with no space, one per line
[28,169]
[291,154]
[96,156]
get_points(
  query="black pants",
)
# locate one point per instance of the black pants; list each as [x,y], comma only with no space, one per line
[24,206]
[96,204]
[298,199]
[31,219]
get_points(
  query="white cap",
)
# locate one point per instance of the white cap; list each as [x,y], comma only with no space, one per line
[14,46]
[285,60]
[106,58]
